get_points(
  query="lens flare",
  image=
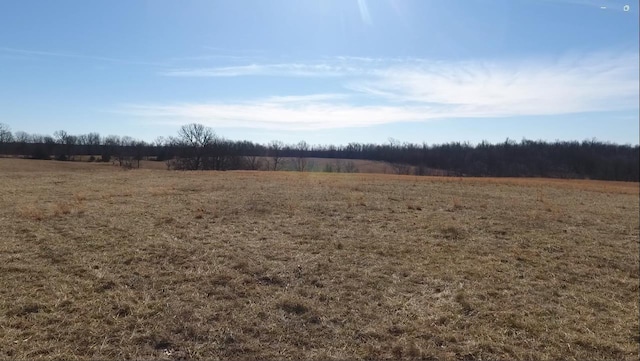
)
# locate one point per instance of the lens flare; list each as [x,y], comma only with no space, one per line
[364,12]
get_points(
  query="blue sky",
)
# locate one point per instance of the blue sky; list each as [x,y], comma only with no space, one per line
[326,71]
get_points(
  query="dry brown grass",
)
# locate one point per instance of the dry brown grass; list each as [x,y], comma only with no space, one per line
[96,263]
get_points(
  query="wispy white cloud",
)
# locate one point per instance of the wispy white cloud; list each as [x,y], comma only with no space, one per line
[234,51]
[288,99]
[163,63]
[275,114]
[207,58]
[390,90]
[40,53]
[302,112]
[325,67]
[284,70]
[597,82]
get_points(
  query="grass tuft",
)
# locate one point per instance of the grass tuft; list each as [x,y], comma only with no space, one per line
[293,306]
[26,309]
[30,211]
[456,204]
[452,232]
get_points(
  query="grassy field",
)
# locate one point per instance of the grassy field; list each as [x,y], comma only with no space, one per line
[100,263]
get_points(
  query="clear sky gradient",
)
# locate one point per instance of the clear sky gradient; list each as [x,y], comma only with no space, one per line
[326,71]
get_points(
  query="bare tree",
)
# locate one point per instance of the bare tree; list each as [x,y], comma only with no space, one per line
[5,134]
[110,147]
[350,167]
[82,139]
[197,138]
[22,137]
[36,138]
[275,152]
[68,142]
[252,162]
[127,141]
[93,143]
[60,136]
[196,135]
[301,156]
[160,142]
[339,166]
[400,168]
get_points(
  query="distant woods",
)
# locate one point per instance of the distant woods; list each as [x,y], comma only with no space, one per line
[197,147]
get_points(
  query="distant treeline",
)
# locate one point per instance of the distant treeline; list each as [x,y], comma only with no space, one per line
[197,147]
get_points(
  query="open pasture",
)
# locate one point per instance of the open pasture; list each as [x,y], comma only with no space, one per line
[100,263]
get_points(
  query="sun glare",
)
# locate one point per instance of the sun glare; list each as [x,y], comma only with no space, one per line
[364,12]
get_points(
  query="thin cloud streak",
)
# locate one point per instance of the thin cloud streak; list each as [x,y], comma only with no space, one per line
[337,66]
[7,52]
[74,56]
[284,70]
[288,99]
